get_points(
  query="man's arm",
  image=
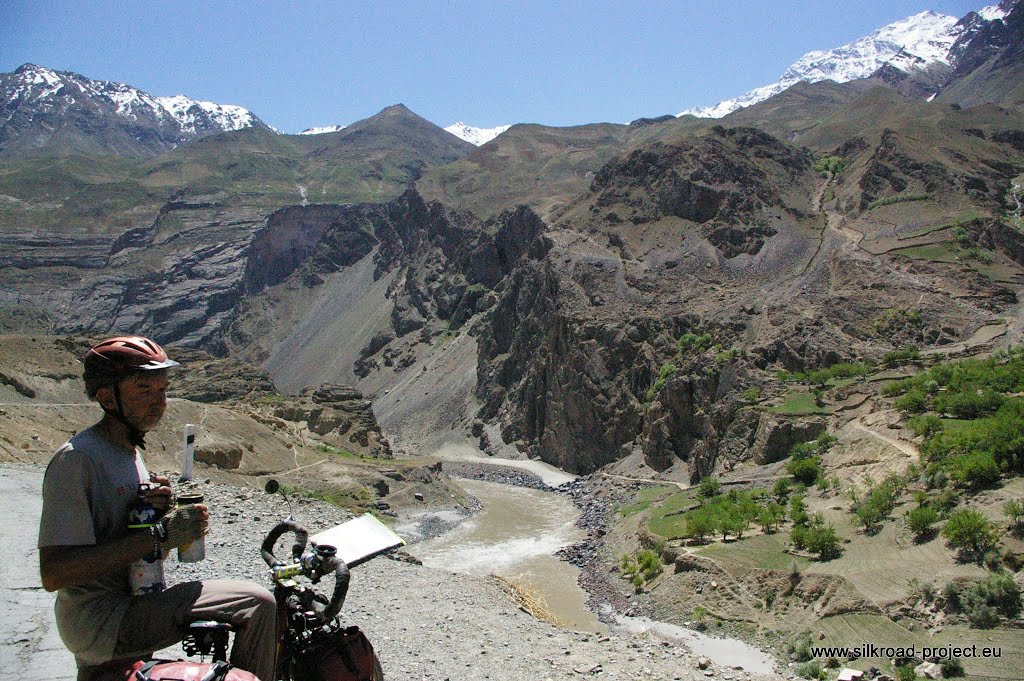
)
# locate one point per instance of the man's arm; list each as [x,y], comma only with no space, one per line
[64,566]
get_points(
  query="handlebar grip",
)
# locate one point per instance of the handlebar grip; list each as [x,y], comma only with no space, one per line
[301,537]
[341,580]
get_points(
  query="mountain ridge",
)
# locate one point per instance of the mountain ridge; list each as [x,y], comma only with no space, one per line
[42,108]
[915,55]
[909,45]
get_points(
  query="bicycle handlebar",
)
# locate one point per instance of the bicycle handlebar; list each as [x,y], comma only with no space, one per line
[301,537]
[281,570]
[341,579]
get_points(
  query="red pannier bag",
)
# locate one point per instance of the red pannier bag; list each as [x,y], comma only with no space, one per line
[184,670]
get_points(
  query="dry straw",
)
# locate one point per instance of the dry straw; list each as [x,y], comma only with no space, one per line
[530,600]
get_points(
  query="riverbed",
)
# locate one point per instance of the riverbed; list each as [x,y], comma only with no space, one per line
[516,536]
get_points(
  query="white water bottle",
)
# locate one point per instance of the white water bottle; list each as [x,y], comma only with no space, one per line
[195,551]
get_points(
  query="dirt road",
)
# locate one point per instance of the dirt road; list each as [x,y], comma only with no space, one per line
[31,649]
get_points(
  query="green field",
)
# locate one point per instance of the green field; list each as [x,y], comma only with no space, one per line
[948,252]
[799,403]
[666,519]
[644,498]
[758,552]
[940,252]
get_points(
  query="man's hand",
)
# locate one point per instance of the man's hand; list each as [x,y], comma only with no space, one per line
[161,496]
[185,524]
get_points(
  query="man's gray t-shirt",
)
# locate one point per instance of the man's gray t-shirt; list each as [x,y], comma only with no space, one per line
[88,489]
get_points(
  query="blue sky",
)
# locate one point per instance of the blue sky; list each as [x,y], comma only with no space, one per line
[300,64]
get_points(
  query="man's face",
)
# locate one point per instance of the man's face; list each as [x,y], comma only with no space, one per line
[143,398]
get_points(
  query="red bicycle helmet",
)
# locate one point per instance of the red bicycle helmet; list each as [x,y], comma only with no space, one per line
[109,362]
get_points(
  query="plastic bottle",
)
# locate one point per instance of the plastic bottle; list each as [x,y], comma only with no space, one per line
[146,574]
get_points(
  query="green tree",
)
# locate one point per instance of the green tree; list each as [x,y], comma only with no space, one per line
[649,563]
[699,524]
[805,470]
[913,402]
[1014,511]
[905,673]
[828,166]
[798,511]
[878,503]
[926,425]
[748,509]
[692,341]
[824,541]
[968,404]
[921,521]
[781,489]
[730,521]
[975,469]
[709,487]
[984,601]
[770,516]
[969,531]
[798,535]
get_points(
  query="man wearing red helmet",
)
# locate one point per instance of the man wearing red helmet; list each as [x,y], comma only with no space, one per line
[85,549]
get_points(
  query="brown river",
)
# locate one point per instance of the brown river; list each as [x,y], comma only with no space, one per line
[516,536]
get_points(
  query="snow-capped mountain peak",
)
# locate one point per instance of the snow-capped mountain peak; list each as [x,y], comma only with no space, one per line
[909,44]
[186,110]
[993,13]
[322,129]
[477,136]
[33,76]
[38,88]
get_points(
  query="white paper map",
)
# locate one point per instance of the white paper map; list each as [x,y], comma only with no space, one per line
[359,539]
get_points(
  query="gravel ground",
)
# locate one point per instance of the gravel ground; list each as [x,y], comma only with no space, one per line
[426,624]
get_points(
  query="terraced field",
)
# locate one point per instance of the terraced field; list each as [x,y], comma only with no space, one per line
[799,403]
[666,519]
[882,566]
[644,498]
[859,629]
[740,558]
[1008,643]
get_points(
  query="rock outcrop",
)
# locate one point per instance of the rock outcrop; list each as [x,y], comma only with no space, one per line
[340,416]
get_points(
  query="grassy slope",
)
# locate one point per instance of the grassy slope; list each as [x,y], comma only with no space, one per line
[75,193]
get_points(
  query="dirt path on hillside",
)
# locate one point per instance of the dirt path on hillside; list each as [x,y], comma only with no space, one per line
[649,481]
[906,448]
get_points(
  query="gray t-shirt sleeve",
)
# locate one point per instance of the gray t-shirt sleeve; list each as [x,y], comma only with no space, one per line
[67,518]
